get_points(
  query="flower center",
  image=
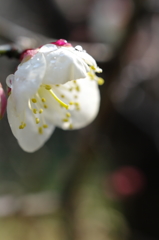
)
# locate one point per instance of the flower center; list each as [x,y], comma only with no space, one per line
[38,105]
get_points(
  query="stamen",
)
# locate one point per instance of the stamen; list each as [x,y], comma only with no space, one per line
[65,120]
[41,110]
[58,100]
[71,103]
[37,120]
[70,126]
[62,96]
[43,100]
[45,126]
[92,67]
[45,106]
[22,126]
[100,81]
[91,75]
[34,100]
[47,87]
[35,111]
[68,114]
[40,130]
[76,104]
[77,88]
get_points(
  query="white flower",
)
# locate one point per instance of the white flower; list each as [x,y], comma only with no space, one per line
[54,85]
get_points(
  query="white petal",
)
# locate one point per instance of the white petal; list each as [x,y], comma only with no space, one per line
[85,56]
[27,80]
[63,65]
[88,99]
[48,48]
[29,138]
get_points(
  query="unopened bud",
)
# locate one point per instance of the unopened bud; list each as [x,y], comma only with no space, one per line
[3,102]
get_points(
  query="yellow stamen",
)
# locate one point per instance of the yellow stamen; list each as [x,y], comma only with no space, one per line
[58,100]
[47,87]
[22,126]
[35,111]
[43,100]
[45,126]
[76,104]
[77,88]
[100,81]
[62,96]
[65,120]
[41,110]
[34,100]
[57,85]
[91,75]
[45,106]
[40,130]
[70,89]
[37,120]
[70,126]
[68,114]
[71,103]
[92,67]
[74,81]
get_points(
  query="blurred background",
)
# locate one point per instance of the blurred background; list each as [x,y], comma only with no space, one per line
[101,182]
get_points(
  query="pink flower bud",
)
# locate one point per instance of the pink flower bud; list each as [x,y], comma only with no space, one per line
[3,102]
[27,54]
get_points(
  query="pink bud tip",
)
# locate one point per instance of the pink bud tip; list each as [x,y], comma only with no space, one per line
[62,42]
[3,102]
[28,53]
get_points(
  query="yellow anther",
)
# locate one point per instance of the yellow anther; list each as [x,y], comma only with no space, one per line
[70,126]
[74,81]
[37,120]
[45,106]
[57,85]
[77,108]
[71,103]
[41,110]
[77,88]
[47,87]
[91,75]
[62,96]
[76,104]
[34,100]
[35,111]
[43,100]
[65,120]
[40,130]
[93,68]
[68,114]
[100,81]
[75,96]
[58,100]
[22,126]
[45,126]
[70,89]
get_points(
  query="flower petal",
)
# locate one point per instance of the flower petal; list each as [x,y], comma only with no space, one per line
[29,138]
[27,80]
[63,66]
[83,98]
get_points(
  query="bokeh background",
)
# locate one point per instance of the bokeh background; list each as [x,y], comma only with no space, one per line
[100,182]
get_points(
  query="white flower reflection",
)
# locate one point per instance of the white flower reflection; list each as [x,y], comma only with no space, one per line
[54,85]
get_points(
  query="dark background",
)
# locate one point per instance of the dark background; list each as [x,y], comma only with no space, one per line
[100,182]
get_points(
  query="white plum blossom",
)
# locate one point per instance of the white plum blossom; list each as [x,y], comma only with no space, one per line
[54,85]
